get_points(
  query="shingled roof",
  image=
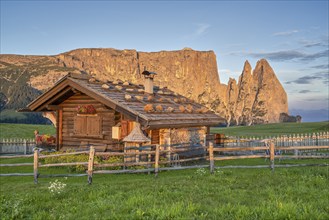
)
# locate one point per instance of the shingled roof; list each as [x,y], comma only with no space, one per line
[136,136]
[164,108]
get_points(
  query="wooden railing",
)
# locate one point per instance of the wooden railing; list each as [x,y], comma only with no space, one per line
[155,160]
[270,152]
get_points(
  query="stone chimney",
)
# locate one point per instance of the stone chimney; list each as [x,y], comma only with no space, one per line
[148,83]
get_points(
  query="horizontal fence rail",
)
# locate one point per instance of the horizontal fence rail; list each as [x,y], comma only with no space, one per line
[156,158]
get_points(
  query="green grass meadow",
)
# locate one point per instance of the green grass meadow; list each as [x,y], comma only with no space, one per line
[286,193]
[24,130]
[274,129]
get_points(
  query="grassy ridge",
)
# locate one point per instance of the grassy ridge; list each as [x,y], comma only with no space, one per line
[294,193]
[24,130]
[274,129]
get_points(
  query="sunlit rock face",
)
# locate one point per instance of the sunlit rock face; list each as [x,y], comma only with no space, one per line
[257,96]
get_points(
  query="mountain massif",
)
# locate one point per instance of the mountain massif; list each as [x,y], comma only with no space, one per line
[257,96]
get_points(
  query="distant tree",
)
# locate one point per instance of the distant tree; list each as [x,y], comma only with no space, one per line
[298,118]
[3,101]
[284,117]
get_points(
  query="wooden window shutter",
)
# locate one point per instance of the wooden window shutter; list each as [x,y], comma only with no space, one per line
[124,128]
[94,126]
[155,138]
[85,125]
[80,124]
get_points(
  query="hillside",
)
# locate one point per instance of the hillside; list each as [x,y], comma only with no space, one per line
[188,72]
[274,129]
[26,131]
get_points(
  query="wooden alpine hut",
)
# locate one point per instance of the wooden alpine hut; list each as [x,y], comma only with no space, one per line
[87,111]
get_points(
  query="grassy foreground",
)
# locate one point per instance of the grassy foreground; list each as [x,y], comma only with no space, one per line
[288,193]
[24,130]
[274,129]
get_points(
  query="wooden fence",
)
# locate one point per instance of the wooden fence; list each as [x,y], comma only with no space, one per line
[313,139]
[156,158]
[269,151]
[17,146]
[25,146]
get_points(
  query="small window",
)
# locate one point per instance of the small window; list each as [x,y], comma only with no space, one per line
[88,125]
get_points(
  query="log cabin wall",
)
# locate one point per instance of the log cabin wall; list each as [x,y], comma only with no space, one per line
[69,133]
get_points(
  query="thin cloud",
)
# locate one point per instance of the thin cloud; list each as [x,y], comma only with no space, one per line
[304,80]
[316,99]
[315,44]
[290,55]
[305,91]
[314,56]
[286,33]
[202,29]
[320,42]
[324,66]
[310,43]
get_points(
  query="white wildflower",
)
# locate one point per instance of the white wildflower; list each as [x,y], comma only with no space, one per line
[56,187]
[201,172]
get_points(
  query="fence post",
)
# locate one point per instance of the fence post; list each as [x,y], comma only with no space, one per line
[272,154]
[35,165]
[149,160]
[25,146]
[211,157]
[91,164]
[157,158]
[1,145]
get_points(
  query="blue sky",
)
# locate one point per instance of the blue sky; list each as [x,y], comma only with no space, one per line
[292,35]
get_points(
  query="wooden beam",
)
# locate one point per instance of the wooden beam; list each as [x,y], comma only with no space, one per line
[16,174]
[240,157]
[272,154]
[64,154]
[91,164]
[63,164]
[58,130]
[53,107]
[302,147]
[53,98]
[157,158]
[211,157]
[225,149]
[60,127]
[16,164]
[164,124]
[45,96]
[35,165]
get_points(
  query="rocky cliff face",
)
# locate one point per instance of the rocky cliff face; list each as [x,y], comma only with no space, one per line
[259,96]
[191,73]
